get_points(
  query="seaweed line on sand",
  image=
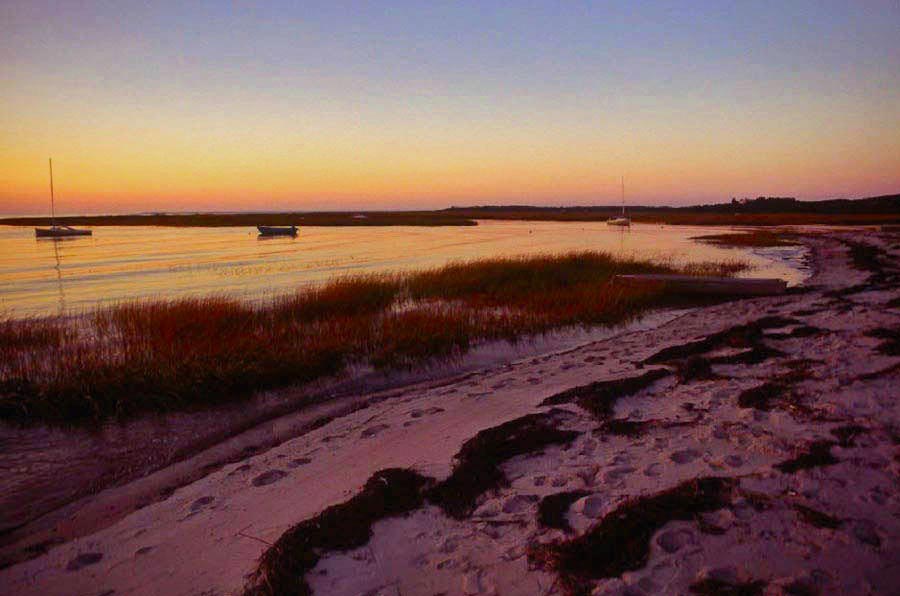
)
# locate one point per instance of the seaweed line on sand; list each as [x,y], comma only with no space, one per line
[620,542]
[393,492]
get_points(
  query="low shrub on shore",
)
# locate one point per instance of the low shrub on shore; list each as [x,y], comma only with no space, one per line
[163,355]
[755,238]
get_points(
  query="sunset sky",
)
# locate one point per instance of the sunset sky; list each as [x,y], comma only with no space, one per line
[347,105]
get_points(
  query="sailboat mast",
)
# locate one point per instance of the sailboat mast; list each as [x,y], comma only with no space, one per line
[52,202]
[623,196]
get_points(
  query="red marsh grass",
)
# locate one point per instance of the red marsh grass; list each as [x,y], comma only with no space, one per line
[195,352]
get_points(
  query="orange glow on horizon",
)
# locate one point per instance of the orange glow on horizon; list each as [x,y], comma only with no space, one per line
[279,109]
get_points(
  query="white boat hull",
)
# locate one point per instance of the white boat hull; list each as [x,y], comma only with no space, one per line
[60,232]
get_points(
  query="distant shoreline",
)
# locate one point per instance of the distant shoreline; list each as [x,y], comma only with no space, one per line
[763,211]
[439,219]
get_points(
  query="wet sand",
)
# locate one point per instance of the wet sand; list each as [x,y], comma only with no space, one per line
[809,462]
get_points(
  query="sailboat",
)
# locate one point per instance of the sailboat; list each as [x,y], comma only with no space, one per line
[55,231]
[622,221]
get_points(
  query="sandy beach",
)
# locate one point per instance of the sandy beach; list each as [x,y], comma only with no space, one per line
[748,445]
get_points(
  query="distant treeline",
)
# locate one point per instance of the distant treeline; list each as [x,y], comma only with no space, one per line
[749,212]
[881,204]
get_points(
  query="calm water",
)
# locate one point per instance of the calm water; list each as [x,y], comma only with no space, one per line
[119,263]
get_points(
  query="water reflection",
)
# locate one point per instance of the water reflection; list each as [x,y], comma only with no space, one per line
[57,267]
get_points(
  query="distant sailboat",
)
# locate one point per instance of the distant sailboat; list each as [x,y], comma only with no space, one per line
[622,221]
[55,231]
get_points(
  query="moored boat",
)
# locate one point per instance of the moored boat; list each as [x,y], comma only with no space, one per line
[623,220]
[55,231]
[60,232]
[277,230]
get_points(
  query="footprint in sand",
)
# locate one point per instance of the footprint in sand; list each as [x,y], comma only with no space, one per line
[430,411]
[735,461]
[617,474]
[534,380]
[519,503]
[373,430]
[269,477]
[201,503]
[653,470]
[143,550]
[591,506]
[300,461]
[684,456]
[240,469]
[83,560]
[447,564]
[673,540]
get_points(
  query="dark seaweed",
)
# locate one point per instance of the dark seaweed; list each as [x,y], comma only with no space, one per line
[717,587]
[891,344]
[846,435]
[817,518]
[600,398]
[620,542]
[342,527]
[478,462]
[816,455]
[553,508]
[748,335]
[695,368]
[761,397]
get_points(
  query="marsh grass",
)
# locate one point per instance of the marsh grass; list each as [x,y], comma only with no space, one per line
[195,352]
